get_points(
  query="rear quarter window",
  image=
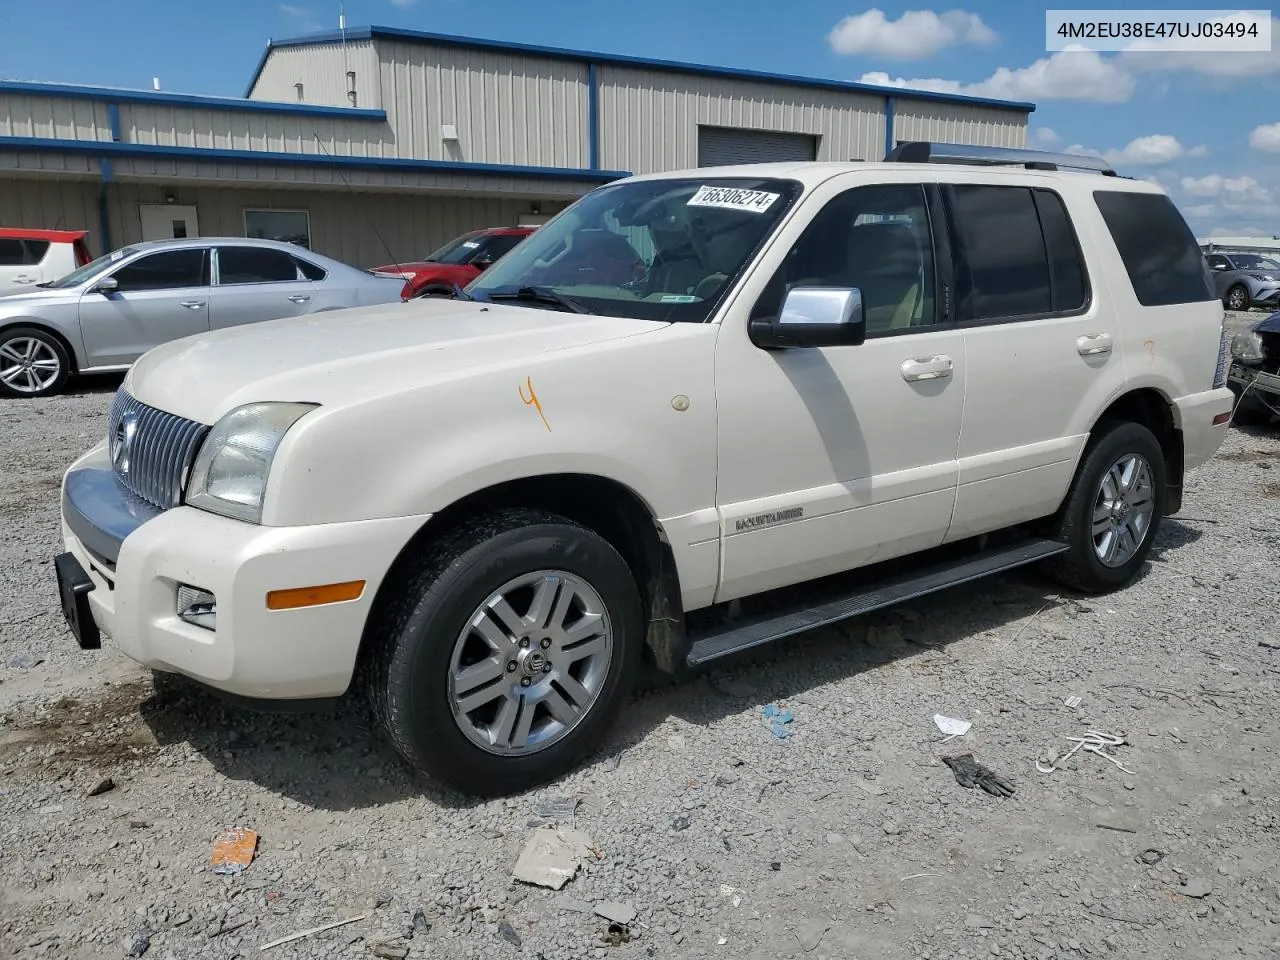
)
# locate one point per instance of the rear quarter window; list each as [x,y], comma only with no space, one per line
[1159,252]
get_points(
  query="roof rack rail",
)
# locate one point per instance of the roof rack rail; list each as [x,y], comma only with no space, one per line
[921,151]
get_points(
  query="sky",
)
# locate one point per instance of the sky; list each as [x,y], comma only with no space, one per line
[1206,126]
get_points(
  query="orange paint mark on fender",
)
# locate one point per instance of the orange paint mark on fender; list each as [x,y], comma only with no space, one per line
[532,401]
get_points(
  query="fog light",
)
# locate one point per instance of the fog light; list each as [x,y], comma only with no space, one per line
[197,607]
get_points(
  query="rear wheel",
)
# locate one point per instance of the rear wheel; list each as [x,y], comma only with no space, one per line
[1113,510]
[1237,298]
[33,363]
[503,655]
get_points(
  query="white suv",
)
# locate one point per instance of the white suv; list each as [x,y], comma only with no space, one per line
[687,389]
[29,258]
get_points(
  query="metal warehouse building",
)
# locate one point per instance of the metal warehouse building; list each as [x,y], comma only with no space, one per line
[381,144]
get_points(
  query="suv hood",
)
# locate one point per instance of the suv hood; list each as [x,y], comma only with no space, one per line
[346,356]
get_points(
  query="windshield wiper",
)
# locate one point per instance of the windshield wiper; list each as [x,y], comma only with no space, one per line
[541,295]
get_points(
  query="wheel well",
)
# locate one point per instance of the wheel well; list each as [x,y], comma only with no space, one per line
[37,325]
[611,510]
[1149,408]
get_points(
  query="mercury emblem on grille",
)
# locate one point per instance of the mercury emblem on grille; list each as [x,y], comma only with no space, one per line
[122,443]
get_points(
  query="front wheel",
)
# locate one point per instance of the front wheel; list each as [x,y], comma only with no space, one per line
[504,654]
[33,363]
[1113,510]
[1237,298]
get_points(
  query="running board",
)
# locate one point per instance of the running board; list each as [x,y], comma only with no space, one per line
[744,634]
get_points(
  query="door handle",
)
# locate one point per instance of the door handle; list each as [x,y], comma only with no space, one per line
[1093,344]
[24,279]
[298,298]
[927,368]
[192,304]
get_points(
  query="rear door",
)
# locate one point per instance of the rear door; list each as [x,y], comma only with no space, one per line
[253,284]
[161,296]
[1042,343]
[20,263]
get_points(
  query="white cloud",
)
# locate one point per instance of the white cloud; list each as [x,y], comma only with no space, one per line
[1200,211]
[1266,138]
[1067,75]
[290,10]
[1241,193]
[404,3]
[916,35]
[1221,64]
[1206,186]
[1195,153]
[1045,137]
[1149,151]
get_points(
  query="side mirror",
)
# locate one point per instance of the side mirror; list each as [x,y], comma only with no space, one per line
[813,317]
[106,285]
[484,262]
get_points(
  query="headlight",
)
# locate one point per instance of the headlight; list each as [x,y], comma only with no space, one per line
[1246,346]
[230,473]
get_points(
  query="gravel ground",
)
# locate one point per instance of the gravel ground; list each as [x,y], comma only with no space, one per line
[849,838]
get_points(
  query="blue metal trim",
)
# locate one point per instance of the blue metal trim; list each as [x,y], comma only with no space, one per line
[104,218]
[113,118]
[106,148]
[593,117]
[671,66]
[117,95]
[888,125]
[104,169]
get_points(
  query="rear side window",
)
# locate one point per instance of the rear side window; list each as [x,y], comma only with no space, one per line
[22,253]
[1159,252]
[1068,288]
[36,250]
[255,265]
[1003,269]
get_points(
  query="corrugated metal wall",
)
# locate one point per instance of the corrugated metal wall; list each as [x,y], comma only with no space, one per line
[56,118]
[959,123]
[649,121]
[507,108]
[235,130]
[321,68]
[44,204]
[50,164]
[343,225]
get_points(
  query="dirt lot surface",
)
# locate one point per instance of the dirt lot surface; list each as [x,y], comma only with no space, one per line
[847,838]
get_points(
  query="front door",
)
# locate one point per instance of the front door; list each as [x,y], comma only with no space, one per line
[262,283]
[836,457]
[161,296]
[168,221]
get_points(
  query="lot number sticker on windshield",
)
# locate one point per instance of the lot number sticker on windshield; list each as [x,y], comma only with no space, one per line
[733,198]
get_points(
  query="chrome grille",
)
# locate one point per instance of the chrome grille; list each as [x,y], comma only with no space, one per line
[151,451]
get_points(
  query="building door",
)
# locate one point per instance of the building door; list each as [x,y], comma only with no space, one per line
[724,146]
[168,221]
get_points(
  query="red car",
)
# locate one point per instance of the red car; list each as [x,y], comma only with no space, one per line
[458,262]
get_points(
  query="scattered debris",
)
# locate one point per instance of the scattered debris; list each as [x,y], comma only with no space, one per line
[890,827]
[950,727]
[622,913]
[301,934]
[234,851]
[552,857]
[775,866]
[681,822]
[24,663]
[389,951]
[738,689]
[101,787]
[811,934]
[139,824]
[1111,826]
[1093,743]
[969,773]
[617,935]
[611,764]
[1196,887]
[553,810]
[420,922]
[918,876]
[1150,856]
[231,928]
[1073,701]
[778,720]
[571,904]
[508,933]
[1269,644]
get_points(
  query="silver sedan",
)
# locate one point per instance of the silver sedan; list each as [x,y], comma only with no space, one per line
[103,316]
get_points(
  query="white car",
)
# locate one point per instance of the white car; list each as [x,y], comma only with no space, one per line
[29,258]
[686,389]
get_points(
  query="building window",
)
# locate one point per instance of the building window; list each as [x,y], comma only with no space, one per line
[291,226]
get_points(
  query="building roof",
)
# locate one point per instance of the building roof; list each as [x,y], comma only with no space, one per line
[612,59]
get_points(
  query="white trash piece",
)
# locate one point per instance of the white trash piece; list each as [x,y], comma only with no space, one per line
[951,727]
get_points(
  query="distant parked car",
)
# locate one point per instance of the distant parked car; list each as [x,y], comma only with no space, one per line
[103,316]
[457,263]
[30,257]
[1245,280]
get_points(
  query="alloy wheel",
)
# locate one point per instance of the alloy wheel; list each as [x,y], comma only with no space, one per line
[1123,510]
[28,364]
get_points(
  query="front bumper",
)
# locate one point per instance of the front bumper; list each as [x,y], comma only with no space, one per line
[1204,419]
[137,557]
[1253,379]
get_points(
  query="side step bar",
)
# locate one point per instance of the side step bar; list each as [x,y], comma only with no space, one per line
[755,631]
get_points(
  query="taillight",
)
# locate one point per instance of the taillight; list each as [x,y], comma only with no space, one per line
[407,292]
[1224,360]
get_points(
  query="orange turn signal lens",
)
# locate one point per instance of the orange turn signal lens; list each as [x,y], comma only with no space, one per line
[315,596]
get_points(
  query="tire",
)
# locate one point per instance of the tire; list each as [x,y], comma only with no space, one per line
[1237,298]
[33,363]
[421,637]
[1081,567]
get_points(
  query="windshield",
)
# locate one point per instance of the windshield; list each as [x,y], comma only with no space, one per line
[651,249]
[92,268]
[459,250]
[1249,261]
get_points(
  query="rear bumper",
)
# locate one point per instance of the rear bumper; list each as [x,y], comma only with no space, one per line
[1204,419]
[251,651]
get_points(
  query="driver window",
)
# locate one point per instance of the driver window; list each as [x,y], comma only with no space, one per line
[876,238]
[168,270]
